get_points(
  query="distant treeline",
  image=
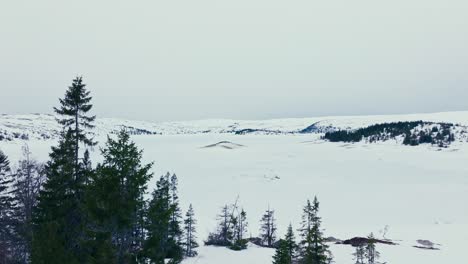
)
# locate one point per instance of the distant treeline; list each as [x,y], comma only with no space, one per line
[413,133]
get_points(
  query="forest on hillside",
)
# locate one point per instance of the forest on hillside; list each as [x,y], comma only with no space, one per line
[413,133]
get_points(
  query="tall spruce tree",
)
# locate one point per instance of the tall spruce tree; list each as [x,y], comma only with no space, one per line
[313,249]
[58,227]
[68,178]
[162,242]
[268,228]
[190,242]
[73,110]
[115,200]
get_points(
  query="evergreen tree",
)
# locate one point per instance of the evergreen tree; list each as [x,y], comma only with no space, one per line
[313,249]
[231,230]
[66,183]
[190,233]
[291,243]
[57,218]
[7,234]
[242,226]
[226,226]
[6,181]
[286,249]
[162,242]
[359,254]
[268,228]
[115,200]
[175,229]
[282,253]
[370,252]
[73,111]
[225,233]
[158,218]
[240,229]
[175,250]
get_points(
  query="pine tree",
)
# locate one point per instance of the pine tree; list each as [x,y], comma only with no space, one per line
[231,225]
[7,234]
[291,244]
[175,229]
[161,242]
[175,233]
[224,234]
[57,225]
[115,199]
[305,232]
[158,218]
[73,111]
[286,249]
[226,226]
[313,249]
[371,254]
[240,229]
[359,254]
[282,253]
[268,228]
[190,233]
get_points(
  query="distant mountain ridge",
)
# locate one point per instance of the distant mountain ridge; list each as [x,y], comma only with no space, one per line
[44,126]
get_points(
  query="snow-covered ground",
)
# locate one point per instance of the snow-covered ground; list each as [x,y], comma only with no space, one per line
[418,192]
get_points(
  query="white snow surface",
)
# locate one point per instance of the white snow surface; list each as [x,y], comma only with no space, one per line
[420,192]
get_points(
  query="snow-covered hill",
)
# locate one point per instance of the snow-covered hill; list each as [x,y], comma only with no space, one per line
[44,126]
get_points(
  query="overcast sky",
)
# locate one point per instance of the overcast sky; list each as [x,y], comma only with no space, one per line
[242,59]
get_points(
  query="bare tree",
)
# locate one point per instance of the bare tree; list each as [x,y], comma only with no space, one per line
[29,178]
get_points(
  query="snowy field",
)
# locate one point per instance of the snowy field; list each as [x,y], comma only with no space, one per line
[418,192]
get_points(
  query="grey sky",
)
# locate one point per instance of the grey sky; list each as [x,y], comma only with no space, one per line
[243,59]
